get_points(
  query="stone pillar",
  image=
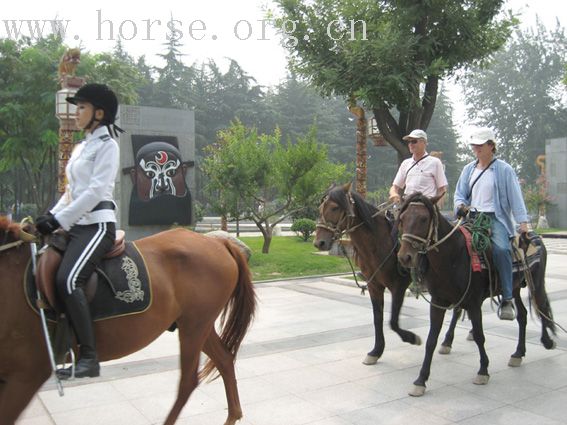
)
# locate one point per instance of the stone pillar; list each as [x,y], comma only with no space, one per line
[556,174]
[144,125]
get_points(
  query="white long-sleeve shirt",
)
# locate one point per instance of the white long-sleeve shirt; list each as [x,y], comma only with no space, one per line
[91,173]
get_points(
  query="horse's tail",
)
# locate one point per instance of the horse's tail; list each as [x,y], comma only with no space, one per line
[239,311]
[543,306]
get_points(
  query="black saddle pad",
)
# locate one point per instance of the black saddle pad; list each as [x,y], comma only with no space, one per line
[129,290]
[123,288]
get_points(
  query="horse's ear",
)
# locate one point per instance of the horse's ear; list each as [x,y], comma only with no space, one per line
[437,198]
[346,186]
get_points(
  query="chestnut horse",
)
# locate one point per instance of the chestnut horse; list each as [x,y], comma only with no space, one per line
[345,212]
[451,282]
[194,279]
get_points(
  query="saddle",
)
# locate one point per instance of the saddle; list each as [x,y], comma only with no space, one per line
[49,262]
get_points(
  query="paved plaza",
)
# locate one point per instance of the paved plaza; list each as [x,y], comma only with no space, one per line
[301,364]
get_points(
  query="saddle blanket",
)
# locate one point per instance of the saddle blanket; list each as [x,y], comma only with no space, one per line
[123,288]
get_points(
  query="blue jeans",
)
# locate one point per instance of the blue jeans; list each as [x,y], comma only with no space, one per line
[502,256]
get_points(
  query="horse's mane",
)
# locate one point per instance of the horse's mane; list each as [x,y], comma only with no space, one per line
[6,225]
[364,210]
[431,207]
[420,198]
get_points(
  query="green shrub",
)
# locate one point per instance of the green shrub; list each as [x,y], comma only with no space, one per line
[304,228]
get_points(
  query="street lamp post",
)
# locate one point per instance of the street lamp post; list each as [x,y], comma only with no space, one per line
[65,112]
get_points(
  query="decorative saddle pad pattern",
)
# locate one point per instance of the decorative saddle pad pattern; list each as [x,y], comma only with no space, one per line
[124,286]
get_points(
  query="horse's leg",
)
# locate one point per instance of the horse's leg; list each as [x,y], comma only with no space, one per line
[192,337]
[447,343]
[377,299]
[16,393]
[522,318]
[398,295]
[435,323]
[224,362]
[482,376]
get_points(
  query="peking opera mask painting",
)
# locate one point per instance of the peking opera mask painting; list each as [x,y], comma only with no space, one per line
[160,195]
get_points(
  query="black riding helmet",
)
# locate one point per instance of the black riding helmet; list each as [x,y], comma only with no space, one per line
[101,97]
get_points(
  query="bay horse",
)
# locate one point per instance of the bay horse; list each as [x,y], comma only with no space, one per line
[344,212]
[194,279]
[452,283]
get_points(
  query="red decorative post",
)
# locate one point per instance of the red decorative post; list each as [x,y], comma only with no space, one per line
[67,127]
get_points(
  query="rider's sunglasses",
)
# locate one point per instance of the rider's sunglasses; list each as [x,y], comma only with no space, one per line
[413,141]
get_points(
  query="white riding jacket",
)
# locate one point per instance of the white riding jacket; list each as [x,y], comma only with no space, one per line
[91,174]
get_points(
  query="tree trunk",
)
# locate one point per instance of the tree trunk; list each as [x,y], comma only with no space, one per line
[267,240]
[224,223]
[361,157]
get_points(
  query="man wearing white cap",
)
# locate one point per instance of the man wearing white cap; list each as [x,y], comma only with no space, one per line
[491,186]
[420,173]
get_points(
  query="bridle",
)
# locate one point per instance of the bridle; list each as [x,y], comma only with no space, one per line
[430,242]
[347,218]
[342,226]
[338,231]
[424,245]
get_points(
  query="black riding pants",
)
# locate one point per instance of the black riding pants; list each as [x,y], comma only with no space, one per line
[86,247]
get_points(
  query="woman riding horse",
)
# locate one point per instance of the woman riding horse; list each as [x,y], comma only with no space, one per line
[194,279]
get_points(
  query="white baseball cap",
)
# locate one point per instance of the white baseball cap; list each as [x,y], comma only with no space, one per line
[482,135]
[416,134]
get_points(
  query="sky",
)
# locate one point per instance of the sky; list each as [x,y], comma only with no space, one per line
[214,29]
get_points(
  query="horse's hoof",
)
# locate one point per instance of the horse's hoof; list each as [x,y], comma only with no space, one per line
[515,362]
[470,336]
[444,349]
[417,390]
[550,345]
[370,360]
[481,379]
[417,340]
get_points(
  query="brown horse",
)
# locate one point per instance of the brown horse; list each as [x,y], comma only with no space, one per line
[194,280]
[451,282]
[345,212]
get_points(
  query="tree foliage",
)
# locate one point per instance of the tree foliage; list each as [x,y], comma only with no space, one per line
[390,54]
[28,127]
[519,95]
[257,177]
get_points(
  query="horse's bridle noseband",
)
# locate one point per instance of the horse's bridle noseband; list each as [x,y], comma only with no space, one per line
[430,242]
[337,229]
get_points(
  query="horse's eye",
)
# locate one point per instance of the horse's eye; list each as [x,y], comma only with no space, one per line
[334,209]
[423,220]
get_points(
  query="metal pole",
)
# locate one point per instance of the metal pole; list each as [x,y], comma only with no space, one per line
[44,324]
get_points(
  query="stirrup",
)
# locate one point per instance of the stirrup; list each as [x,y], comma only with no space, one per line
[62,371]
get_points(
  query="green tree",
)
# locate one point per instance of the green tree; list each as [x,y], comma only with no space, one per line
[443,136]
[117,69]
[517,95]
[257,177]
[28,127]
[390,55]
[174,85]
[296,106]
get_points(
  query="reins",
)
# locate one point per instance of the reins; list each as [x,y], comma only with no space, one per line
[24,237]
[430,242]
[11,245]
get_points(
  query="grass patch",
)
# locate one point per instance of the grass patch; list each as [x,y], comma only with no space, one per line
[290,257]
[550,230]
